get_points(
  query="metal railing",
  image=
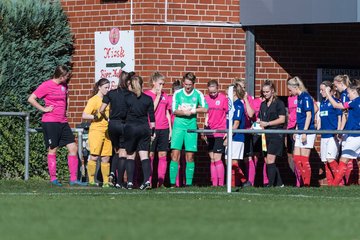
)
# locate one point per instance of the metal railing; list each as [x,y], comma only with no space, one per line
[29,130]
[230,132]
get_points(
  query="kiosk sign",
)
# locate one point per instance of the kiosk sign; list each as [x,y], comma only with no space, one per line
[114,53]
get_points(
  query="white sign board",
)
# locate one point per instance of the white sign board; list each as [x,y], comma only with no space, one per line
[114,53]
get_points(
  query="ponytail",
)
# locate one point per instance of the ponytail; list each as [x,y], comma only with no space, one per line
[269,83]
[343,79]
[296,82]
[136,83]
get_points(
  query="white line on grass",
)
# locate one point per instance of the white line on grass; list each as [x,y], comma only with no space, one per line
[169,193]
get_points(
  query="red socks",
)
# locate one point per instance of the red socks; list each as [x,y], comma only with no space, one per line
[306,174]
[331,169]
[238,176]
[303,165]
[340,173]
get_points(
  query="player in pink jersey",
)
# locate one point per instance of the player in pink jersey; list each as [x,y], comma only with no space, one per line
[216,119]
[162,125]
[291,124]
[57,132]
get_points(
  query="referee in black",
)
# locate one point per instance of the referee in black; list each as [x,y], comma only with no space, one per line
[272,116]
[118,111]
[138,132]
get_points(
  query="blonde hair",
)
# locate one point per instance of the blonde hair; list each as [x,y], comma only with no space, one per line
[239,80]
[239,90]
[155,77]
[296,82]
[343,79]
[136,83]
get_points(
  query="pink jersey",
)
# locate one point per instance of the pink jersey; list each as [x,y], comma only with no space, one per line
[218,107]
[54,95]
[248,120]
[161,122]
[292,105]
[256,106]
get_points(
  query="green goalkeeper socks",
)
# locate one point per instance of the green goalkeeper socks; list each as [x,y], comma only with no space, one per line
[174,167]
[190,169]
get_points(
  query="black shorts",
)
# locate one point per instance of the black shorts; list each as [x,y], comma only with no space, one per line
[116,133]
[275,144]
[57,134]
[161,141]
[137,138]
[216,145]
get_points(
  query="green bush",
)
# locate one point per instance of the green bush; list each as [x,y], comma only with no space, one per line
[35,37]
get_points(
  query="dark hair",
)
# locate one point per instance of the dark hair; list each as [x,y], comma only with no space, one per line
[189,76]
[61,71]
[136,83]
[98,84]
[269,83]
[212,82]
[176,85]
[329,84]
[123,78]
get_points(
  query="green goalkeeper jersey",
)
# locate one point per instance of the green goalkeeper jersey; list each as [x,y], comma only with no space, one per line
[184,101]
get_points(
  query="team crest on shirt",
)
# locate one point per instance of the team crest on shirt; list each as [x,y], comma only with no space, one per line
[329,104]
[295,101]
[217,103]
[194,99]
[163,98]
[63,88]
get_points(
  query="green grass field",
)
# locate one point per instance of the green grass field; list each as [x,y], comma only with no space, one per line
[36,210]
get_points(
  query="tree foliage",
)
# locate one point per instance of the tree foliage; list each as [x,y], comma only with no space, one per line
[35,37]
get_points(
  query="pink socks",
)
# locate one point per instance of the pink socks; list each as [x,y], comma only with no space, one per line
[213,174]
[162,166]
[265,176]
[220,170]
[151,168]
[73,167]
[51,159]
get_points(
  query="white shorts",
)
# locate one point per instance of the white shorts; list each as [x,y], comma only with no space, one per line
[329,149]
[310,140]
[350,147]
[237,151]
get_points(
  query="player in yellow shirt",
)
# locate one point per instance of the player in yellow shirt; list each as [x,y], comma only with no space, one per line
[99,141]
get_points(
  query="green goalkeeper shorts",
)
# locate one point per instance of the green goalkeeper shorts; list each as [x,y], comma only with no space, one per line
[180,137]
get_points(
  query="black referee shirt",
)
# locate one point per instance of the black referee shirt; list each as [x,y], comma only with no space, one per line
[116,99]
[140,109]
[272,112]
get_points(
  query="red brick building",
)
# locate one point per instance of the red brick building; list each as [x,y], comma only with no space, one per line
[205,37]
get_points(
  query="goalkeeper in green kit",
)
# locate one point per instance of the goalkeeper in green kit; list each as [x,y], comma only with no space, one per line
[187,103]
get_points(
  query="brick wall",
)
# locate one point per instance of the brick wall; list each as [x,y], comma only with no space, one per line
[210,52]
